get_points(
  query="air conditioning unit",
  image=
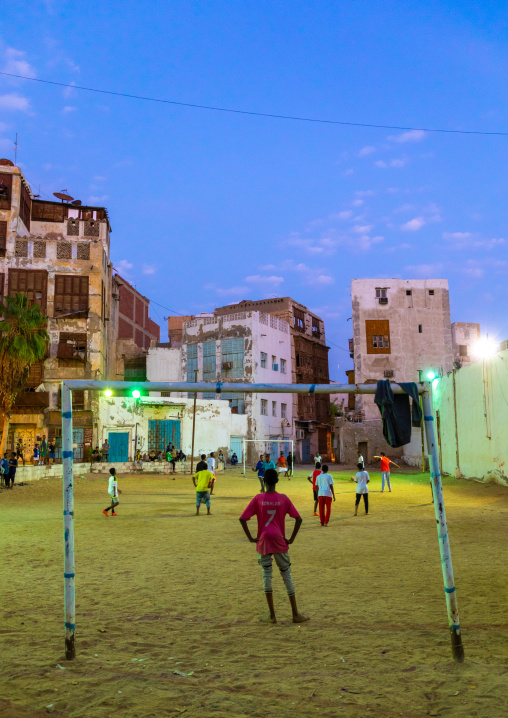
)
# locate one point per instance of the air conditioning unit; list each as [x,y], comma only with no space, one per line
[227,365]
[383,300]
[275,367]
[389,374]
[300,434]
[312,428]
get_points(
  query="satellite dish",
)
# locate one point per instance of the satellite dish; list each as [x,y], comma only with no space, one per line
[63,196]
[76,202]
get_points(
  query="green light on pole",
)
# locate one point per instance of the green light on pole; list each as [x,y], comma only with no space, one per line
[108,392]
[431,375]
[136,393]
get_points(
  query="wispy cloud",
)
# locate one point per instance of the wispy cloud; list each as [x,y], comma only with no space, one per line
[259,279]
[367,150]
[69,108]
[14,101]
[456,235]
[149,269]
[124,266]
[413,225]
[123,163]
[347,214]
[390,163]
[15,63]
[425,270]
[410,136]
[94,200]
[237,291]
[323,279]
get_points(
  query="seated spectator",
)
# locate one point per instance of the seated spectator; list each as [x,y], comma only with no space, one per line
[234,459]
[152,455]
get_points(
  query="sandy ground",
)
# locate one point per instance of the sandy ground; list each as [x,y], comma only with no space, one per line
[160,590]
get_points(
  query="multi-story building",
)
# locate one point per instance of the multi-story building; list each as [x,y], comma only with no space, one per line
[464,336]
[309,365]
[401,328]
[57,253]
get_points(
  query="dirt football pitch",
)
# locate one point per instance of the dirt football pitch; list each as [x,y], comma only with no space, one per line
[168,605]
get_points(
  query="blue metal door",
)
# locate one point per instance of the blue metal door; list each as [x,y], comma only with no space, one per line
[119,443]
[235,447]
[306,451]
[78,443]
[162,432]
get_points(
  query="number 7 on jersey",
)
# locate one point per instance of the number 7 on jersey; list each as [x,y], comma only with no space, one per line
[272,513]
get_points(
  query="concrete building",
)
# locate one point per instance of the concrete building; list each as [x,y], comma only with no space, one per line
[309,365]
[400,328]
[464,337]
[58,255]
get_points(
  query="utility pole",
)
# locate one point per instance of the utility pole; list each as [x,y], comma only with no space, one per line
[193,425]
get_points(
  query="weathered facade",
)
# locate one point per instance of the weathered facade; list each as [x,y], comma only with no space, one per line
[401,328]
[464,336]
[58,255]
[309,365]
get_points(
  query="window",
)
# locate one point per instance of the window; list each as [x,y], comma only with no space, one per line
[30,282]
[233,352]
[298,320]
[134,369]
[49,211]
[71,294]
[316,332]
[21,248]
[381,292]
[83,250]
[284,411]
[274,408]
[409,292]
[5,191]
[236,401]
[264,407]
[209,362]
[283,365]
[420,328]
[71,348]
[462,350]
[39,249]
[63,250]
[431,292]
[24,206]
[3,238]
[275,366]
[263,360]
[192,362]
[378,336]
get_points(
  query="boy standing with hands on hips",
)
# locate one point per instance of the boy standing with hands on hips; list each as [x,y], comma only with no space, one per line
[270,509]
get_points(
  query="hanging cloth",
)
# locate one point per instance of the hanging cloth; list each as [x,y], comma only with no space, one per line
[396,414]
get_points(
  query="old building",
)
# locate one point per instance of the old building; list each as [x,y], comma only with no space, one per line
[57,253]
[464,336]
[309,365]
[401,328]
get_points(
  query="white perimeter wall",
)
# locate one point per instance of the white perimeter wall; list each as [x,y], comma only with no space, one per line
[214,421]
[479,391]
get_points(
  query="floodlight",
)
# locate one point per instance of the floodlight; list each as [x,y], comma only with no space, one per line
[108,392]
[484,348]
[431,375]
[136,393]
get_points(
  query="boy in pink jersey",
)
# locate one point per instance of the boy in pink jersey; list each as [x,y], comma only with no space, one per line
[271,509]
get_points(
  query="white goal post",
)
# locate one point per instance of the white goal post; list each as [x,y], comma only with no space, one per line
[425,389]
[267,448]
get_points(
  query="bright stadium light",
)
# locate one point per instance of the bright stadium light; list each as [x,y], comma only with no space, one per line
[431,375]
[108,392]
[484,348]
[136,393]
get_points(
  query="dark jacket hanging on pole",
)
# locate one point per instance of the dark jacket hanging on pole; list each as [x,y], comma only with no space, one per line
[396,413]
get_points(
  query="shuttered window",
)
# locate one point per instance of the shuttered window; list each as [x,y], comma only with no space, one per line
[25,207]
[378,336]
[5,191]
[233,354]
[298,320]
[32,283]
[71,294]
[49,211]
[36,375]
[3,238]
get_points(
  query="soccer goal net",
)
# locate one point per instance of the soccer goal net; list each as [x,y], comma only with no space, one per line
[252,449]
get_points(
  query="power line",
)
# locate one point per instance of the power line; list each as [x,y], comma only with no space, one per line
[252,113]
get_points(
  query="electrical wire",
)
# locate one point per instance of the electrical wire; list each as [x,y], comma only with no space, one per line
[252,113]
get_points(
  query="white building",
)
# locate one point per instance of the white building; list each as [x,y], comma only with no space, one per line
[401,328]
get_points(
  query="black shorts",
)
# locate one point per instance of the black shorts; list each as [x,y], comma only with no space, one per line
[315,494]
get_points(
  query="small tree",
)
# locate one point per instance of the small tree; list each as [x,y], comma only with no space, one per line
[23,341]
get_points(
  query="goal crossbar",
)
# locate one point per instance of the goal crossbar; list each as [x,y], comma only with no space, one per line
[424,389]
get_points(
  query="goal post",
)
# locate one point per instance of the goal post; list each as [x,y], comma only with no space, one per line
[425,389]
[267,446]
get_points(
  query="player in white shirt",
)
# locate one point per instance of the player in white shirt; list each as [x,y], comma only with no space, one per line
[361,478]
[113,491]
[325,490]
[210,462]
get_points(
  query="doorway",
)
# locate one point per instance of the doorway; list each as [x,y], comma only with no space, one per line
[119,446]
[363,448]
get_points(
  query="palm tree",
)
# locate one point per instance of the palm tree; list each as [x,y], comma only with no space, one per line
[23,341]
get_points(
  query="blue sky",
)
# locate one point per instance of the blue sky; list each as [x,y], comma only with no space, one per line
[209,208]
